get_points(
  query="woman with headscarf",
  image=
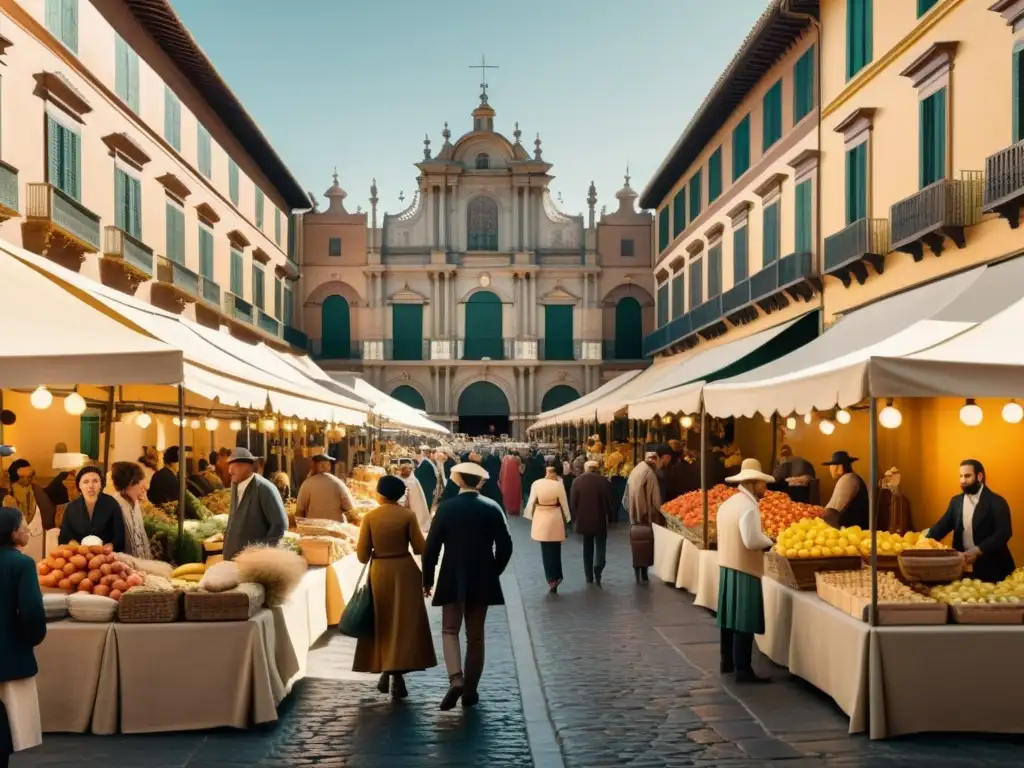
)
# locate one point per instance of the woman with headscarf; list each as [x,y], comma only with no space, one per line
[510,481]
[548,508]
[401,641]
[36,507]
[130,485]
[93,513]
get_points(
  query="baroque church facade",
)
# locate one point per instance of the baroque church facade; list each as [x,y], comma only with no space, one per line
[481,303]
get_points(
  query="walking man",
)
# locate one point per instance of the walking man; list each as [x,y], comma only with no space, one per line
[477,547]
[643,505]
[591,507]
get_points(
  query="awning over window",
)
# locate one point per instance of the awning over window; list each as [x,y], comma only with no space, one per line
[837,368]
[582,409]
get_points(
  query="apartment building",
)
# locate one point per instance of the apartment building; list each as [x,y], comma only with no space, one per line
[125,156]
[736,199]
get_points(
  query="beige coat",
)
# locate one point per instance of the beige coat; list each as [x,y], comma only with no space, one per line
[324,497]
[643,495]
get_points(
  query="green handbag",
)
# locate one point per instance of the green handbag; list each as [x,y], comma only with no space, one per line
[357,618]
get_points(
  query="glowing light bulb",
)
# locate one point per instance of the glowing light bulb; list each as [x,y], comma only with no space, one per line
[843,416]
[791,423]
[74,404]
[269,425]
[971,414]
[194,423]
[686,422]
[143,420]
[890,416]
[236,426]
[808,418]
[827,426]
[211,424]
[1012,412]
[41,398]
[176,421]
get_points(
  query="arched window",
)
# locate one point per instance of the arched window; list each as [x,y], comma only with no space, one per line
[629,329]
[410,396]
[483,161]
[336,333]
[482,224]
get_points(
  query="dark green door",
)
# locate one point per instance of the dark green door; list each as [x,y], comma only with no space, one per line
[558,332]
[409,396]
[89,434]
[629,329]
[336,333]
[483,399]
[557,396]
[407,331]
[483,327]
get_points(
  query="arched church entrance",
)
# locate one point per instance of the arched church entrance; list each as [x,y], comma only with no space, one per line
[557,396]
[484,410]
[410,396]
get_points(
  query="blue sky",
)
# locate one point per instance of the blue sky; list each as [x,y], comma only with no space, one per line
[357,84]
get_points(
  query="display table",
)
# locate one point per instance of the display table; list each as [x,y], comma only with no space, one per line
[706,595]
[667,546]
[688,573]
[77,680]
[295,627]
[341,585]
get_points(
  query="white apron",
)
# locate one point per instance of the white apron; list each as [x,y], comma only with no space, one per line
[36,543]
[22,703]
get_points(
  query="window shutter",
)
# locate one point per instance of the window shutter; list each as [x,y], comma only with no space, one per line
[72,163]
[135,196]
[770,247]
[133,79]
[714,175]
[206,253]
[277,226]
[233,181]
[1016,94]
[277,298]
[236,272]
[53,152]
[695,195]
[69,24]
[740,266]
[939,135]
[679,212]
[696,283]
[803,217]
[53,17]
[662,304]
[741,148]
[120,67]
[678,296]
[714,271]
[121,212]
[663,225]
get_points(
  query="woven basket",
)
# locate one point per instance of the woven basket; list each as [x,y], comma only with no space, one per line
[931,566]
[695,536]
[321,550]
[987,613]
[801,574]
[673,523]
[238,604]
[309,526]
[145,607]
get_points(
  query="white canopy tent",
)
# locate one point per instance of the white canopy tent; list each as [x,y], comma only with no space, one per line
[837,368]
[581,409]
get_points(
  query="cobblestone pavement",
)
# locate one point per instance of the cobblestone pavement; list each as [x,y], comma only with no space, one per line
[631,679]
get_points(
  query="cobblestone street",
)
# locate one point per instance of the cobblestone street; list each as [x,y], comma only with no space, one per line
[630,678]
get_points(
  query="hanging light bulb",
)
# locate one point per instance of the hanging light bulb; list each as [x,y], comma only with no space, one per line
[211,424]
[808,417]
[1012,412]
[890,416]
[666,419]
[791,423]
[341,432]
[269,424]
[253,425]
[686,422]
[236,426]
[41,398]
[827,426]
[74,404]
[176,421]
[971,414]
[144,420]
[843,416]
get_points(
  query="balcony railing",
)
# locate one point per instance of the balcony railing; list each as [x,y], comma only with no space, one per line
[706,314]
[1004,183]
[613,349]
[209,291]
[587,350]
[296,338]
[345,350]
[238,308]
[133,254]
[486,349]
[8,191]
[524,349]
[177,275]
[943,209]
[444,349]
[268,323]
[75,222]
[736,297]
[656,341]
[865,241]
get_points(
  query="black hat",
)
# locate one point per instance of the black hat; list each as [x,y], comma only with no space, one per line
[324,456]
[391,488]
[839,458]
[89,468]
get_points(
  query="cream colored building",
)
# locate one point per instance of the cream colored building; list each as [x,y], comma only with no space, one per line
[124,156]
[481,302]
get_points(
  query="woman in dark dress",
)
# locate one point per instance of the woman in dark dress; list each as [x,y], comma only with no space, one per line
[94,513]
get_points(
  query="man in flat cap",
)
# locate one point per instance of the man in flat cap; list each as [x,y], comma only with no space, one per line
[323,495]
[257,512]
[591,503]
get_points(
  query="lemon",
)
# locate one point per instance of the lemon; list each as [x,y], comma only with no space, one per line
[851,550]
[819,539]
[837,550]
[843,542]
[803,553]
[790,552]
[815,551]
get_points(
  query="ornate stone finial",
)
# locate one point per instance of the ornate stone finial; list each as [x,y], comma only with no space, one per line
[446,134]
[517,134]
[426,147]
[335,176]
[592,195]
[627,174]
[401,196]
[537,151]
[359,209]
[373,192]
[604,210]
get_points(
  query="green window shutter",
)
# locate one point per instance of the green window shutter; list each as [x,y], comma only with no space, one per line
[856,183]
[70,24]
[237,286]
[71,163]
[770,233]
[803,208]
[695,196]
[277,227]
[629,329]
[558,332]
[678,295]
[233,181]
[679,212]
[53,17]
[663,229]
[741,148]
[287,319]
[803,85]
[696,283]
[662,304]
[771,115]
[205,252]
[135,206]
[259,208]
[932,138]
[714,271]
[740,260]
[126,73]
[53,152]
[172,118]
[334,246]
[483,327]
[714,175]
[1018,123]
[121,212]
[923,6]
[175,233]
[859,35]
[277,297]
[257,285]
[204,151]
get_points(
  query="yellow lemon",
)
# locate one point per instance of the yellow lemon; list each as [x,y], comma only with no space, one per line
[790,552]
[853,529]
[815,551]
[819,539]
[803,553]
[837,550]
[843,542]
[897,548]
[851,550]
[886,547]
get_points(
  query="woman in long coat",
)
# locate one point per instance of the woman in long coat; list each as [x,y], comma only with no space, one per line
[548,509]
[510,480]
[401,641]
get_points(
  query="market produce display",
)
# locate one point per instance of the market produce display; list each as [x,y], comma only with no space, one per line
[858,584]
[778,510]
[813,537]
[973,591]
[91,569]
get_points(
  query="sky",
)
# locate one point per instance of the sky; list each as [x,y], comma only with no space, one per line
[357,85]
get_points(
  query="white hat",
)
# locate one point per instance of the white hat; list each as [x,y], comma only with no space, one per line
[469,468]
[750,469]
[589,465]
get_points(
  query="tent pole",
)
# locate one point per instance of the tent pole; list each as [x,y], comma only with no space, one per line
[704,471]
[873,510]
[775,439]
[109,419]
[1,429]
[181,460]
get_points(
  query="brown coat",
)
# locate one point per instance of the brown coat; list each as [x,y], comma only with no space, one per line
[592,504]
[401,640]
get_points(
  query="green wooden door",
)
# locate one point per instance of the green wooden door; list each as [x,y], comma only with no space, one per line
[557,396]
[629,330]
[407,331]
[483,398]
[558,332]
[483,327]
[336,333]
[409,396]
[89,434]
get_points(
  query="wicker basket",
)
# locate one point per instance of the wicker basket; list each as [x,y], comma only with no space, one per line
[988,613]
[238,604]
[673,523]
[309,526]
[146,607]
[695,536]
[931,566]
[321,550]
[800,574]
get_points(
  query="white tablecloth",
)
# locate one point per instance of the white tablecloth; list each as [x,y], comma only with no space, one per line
[667,546]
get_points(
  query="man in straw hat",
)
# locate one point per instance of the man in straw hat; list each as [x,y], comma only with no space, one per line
[477,547]
[740,545]
[324,495]
[257,512]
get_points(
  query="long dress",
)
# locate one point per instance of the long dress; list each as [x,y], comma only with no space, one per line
[510,480]
[401,639]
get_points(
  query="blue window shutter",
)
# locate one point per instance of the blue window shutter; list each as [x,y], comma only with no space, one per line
[1018,124]
[923,6]
[678,295]
[803,208]
[121,211]
[679,212]
[695,195]
[662,304]
[740,262]
[714,175]
[663,229]
[771,115]
[714,271]
[696,278]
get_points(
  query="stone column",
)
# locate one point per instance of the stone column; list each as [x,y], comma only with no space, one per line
[526,219]
[434,318]
[514,240]
[533,390]
[444,216]
[517,328]
[452,305]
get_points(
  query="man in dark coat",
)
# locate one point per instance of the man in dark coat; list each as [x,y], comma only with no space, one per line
[163,486]
[429,474]
[591,504]
[488,488]
[980,523]
[23,486]
[477,547]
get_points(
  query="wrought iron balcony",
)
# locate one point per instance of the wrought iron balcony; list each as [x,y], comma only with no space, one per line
[183,280]
[268,323]
[237,308]
[940,210]
[736,298]
[706,319]
[209,291]
[134,256]
[851,250]
[8,192]
[57,213]
[1004,183]
[295,337]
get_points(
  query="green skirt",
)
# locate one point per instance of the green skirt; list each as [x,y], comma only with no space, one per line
[740,602]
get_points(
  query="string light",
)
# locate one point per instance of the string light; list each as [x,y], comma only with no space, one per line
[144,420]
[827,426]
[1012,412]
[211,424]
[971,414]
[791,423]
[890,416]
[236,426]
[686,422]
[843,416]
[74,404]
[41,398]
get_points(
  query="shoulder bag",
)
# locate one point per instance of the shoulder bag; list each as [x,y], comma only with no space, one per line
[357,618]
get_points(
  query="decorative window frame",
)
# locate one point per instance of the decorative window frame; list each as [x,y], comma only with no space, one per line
[856,129]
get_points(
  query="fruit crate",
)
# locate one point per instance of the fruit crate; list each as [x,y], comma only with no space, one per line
[900,614]
[695,536]
[673,523]
[801,574]
[988,613]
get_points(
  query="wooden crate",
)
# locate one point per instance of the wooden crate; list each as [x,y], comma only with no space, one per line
[987,613]
[801,574]
[900,614]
